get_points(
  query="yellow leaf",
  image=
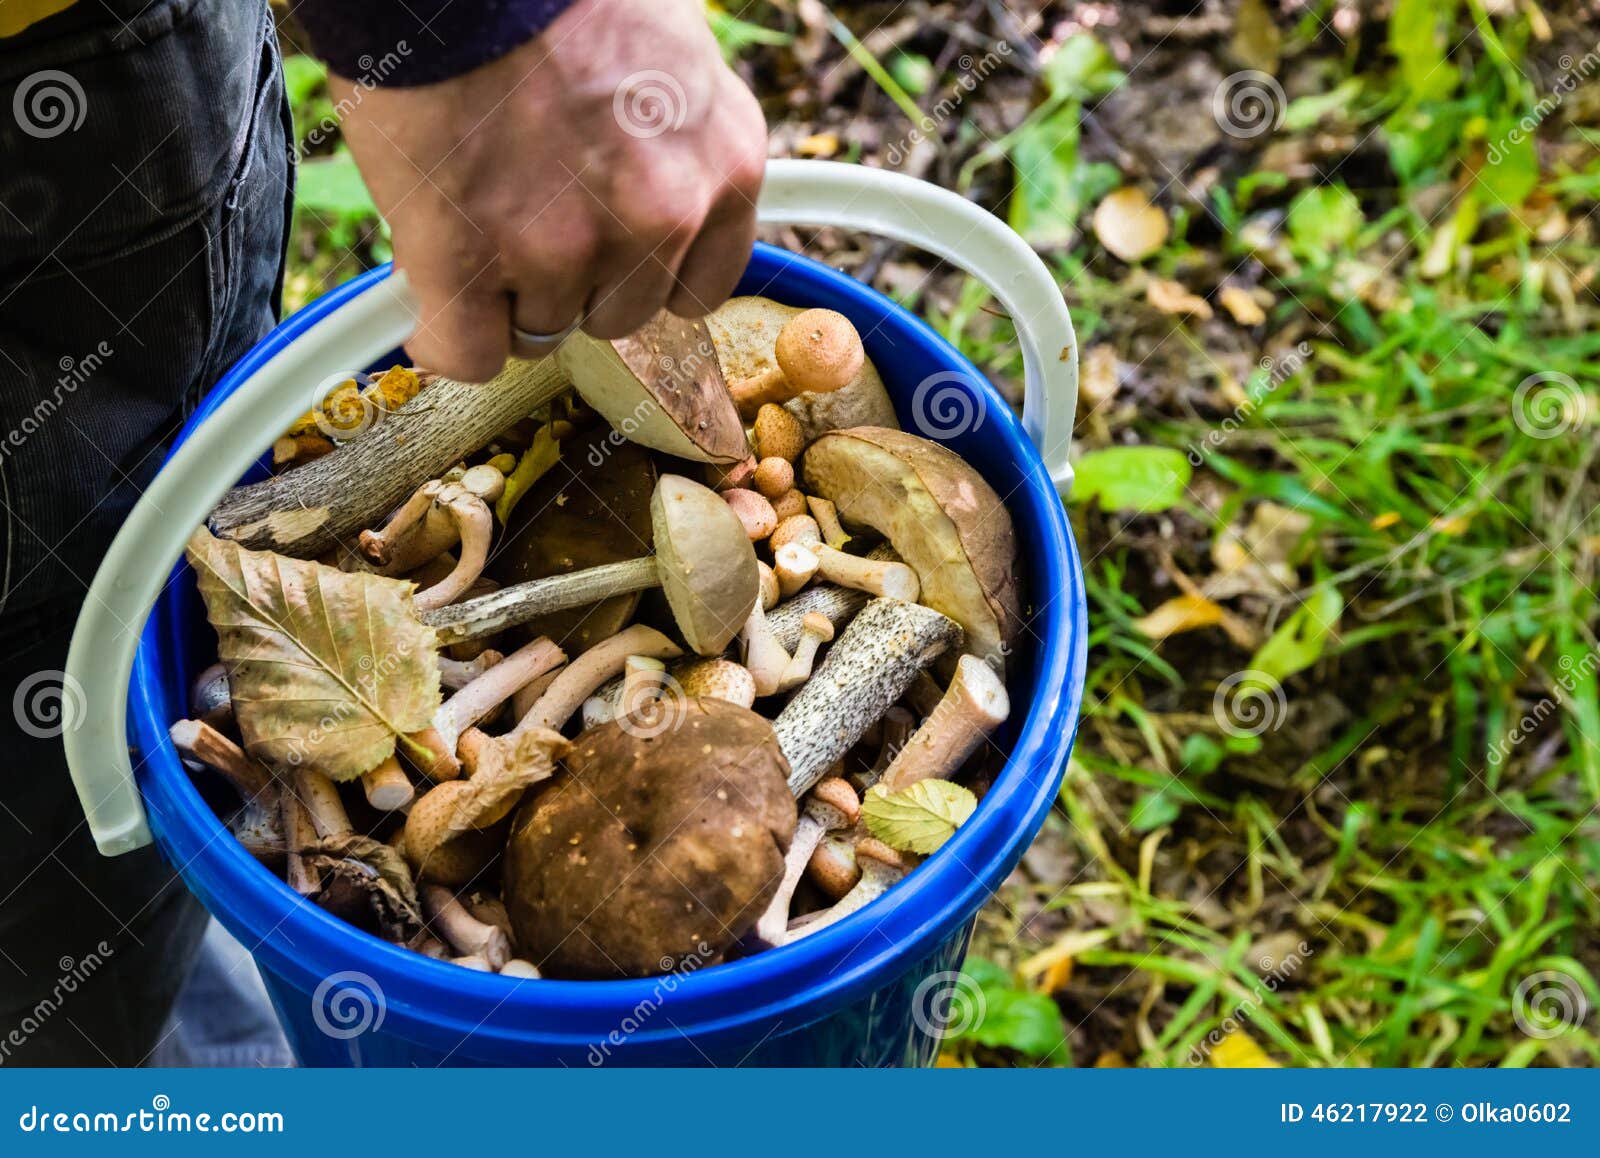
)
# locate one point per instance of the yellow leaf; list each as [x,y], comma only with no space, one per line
[1384,521]
[1238,1051]
[1111,1060]
[1452,525]
[1129,226]
[1172,298]
[1057,977]
[949,1061]
[1179,614]
[1241,305]
[818,145]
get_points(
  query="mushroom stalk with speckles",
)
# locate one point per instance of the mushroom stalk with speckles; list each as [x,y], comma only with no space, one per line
[864,672]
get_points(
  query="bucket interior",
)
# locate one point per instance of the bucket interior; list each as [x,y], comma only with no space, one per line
[301,943]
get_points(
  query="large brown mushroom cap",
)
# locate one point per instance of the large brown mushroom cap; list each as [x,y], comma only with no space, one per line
[661,386]
[941,517]
[705,561]
[649,853]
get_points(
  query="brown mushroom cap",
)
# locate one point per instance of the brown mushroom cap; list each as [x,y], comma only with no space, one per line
[649,851]
[661,386]
[940,516]
[590,509]
[819,351]
[705,562]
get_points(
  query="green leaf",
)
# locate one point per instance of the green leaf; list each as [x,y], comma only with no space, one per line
[913,71]
[1511,169]
[987,1009]
[1152,810]
[1132,478]
[734,35]
[1201,754]
[303,76]
[333,185]
[1418,31]
[1081,67]
[1303,637]
[1324,219]
[920,818]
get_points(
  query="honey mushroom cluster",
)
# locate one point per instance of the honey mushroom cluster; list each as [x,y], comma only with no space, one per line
[668,721]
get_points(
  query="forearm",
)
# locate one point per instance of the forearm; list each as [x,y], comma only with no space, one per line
[400,43]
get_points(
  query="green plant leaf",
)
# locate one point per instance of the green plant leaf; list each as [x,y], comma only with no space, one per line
[988,1009]
[1303,637]
[333,185]
[1132,478]
[1324,219]
[919,818]
[1152,810]
[1081,67]
[1511,170]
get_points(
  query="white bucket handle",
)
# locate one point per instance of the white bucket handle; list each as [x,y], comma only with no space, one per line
[141,557]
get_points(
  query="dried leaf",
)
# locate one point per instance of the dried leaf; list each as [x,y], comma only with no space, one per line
[1239,303]
[818,145]
[1238,1051]
[327,667]
[507,767]
[1129,226]
[542,454]
[1179,614]
[1171,297]
[365,874]
[919,818]
[350,408]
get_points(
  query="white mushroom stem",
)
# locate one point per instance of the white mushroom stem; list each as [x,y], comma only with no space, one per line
[479,699]
[387,786]
[815,630]
[199,741]
[450,919]
[833,806]
[321,800]
[879,576]
[764,657]
[714,679]
[794,565]
[771,592]
[575,683]
[528,694]
[881,869]
[456,674]
[475,527]
[384,546]
[475,962]
[974,705]
[517,967]
[839,604]
[865,671]
[827,517]
[643,678]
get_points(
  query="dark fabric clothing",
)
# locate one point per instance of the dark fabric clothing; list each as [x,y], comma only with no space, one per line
[141,253]
[413,42]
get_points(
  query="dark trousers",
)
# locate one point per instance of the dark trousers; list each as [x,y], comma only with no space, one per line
[144,199]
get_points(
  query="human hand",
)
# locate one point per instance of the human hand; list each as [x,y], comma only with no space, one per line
[602,171]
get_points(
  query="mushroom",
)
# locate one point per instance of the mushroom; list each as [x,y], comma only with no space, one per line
[764,657]
[211,698]
[974,705]
[877,576]
[755,512]
[774,476]
[479,700]
[881,868]
[833,866]
[661,386]
[517,967]
[939,515]
[647,851]
[449,919]
[778,435]
[199,741]
[704,563]
[827,516]
[715,679]
[864,673]
[816,629]
[591,508]
[387,787]
[832,806]
[456,674]
[794,565]
[817,352]
[438,515]
[789,504]
[643,679]
[355,877]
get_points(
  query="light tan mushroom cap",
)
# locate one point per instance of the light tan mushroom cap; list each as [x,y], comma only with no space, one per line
[940,516]
[705,561]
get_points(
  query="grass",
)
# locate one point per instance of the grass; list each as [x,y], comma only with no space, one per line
[1399,866]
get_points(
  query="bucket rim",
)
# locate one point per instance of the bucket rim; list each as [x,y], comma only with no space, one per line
[807,979]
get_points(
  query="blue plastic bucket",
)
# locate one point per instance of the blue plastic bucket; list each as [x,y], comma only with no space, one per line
[870,990]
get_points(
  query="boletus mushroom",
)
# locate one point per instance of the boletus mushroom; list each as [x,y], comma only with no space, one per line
[704,562]
[816,352]
[940,516]
[645,849]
